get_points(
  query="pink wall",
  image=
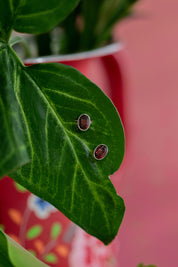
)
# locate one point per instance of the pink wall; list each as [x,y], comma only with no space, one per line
[149,175]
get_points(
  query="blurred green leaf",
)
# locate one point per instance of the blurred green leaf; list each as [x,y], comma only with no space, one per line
[99,19]
[13,255]
[37,17]
[32,16]
[110,13]
[90,11]
[13,152]
[6,19]
[32,252]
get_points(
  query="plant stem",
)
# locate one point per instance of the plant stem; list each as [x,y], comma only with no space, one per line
[43,44]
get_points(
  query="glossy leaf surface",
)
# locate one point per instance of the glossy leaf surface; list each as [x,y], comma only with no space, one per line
[63,169]
[36,17]
[47,101]
[13,255]
[13,152]
[32,16]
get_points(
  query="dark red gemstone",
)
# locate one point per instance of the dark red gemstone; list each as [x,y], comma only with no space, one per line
[100,152]
[84,122]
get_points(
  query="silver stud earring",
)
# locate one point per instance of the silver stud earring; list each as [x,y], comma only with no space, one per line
[100,152]
[83,122]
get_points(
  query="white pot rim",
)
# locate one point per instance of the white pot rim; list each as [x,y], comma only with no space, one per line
[103,51]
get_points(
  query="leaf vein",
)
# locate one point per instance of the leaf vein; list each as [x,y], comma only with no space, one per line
[56,115]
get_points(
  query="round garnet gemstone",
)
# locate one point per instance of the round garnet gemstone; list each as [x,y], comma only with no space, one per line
[100,152]
[84,122]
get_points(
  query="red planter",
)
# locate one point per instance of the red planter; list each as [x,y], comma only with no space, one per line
[38,226]
[101,66]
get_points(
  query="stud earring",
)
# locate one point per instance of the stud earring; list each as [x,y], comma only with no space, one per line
[100,152]
[83,122]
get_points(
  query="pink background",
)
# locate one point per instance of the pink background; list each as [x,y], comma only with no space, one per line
[149,174]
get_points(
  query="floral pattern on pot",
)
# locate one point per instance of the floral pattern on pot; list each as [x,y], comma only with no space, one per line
[87,251]
[41,208]
[47,233]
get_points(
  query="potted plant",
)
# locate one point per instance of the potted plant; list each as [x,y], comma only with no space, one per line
[61,136]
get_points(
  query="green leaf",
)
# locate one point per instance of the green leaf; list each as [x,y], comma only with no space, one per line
[6,18]
[56,230]
[13,255]
[32,16]
[34,232]
[37,17]
[90,11]
[32,252]
[50,258]
[99,17]
[13,152]
[111,12]
[63,170]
